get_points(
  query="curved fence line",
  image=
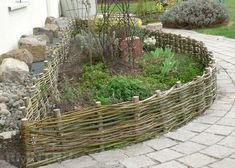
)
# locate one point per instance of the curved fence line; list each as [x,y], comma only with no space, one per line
[51,139]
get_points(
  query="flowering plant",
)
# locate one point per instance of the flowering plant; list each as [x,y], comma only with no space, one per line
[150,41]
[159,7]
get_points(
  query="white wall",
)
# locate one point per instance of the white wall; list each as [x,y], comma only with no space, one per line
[13,24]
[53,7]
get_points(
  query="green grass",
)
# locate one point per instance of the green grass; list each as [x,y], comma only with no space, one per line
[150,6]
[226,30]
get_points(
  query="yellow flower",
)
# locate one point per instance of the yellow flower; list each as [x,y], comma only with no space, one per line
[139,22]
[159,7]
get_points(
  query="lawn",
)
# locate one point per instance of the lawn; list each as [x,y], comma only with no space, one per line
[227,30]
[150,6]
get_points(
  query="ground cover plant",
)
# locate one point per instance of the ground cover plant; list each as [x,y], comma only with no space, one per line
[156,69]
[195,14]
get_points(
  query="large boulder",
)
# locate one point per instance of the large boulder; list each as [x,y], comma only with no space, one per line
[13,70]
[44,31]
[20,54]
[36,45]
[62,23]
[50,20]
[54,28]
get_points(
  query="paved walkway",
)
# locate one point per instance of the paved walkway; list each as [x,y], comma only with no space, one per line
[206,142]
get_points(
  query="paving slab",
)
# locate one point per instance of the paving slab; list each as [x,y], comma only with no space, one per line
[228,142]
[138,149]
[218,151]
[220,130]
[197,160]
[181,135]
[138,162]
[160,143]
[188,147]
[171,164]
[225,163]
[82,162]
[207,138]
[108,156]
[164,155]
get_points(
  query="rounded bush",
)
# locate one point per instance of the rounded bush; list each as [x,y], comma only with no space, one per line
[195,14]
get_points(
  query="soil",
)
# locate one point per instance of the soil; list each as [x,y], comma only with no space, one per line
[11,151]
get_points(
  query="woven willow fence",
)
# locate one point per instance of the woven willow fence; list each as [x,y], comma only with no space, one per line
[45,89]
[99,128]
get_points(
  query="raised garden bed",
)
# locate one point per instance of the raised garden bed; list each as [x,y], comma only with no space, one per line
[53,138]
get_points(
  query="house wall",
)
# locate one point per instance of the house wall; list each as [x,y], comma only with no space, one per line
[13,24]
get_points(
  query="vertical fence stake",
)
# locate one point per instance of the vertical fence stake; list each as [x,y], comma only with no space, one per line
[181,116]
[209,100]
[29,155]
[100,125]
[57,113]
[136,100]
[178,84]
[160,115]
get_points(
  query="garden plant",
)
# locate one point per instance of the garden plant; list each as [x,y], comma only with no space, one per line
[195,14]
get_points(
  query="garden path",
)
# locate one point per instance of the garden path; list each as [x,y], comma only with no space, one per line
[206,142]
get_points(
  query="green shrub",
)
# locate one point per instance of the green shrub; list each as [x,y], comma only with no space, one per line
[194,14]
[158,62]
[108,89]
[124,88]
[96,75]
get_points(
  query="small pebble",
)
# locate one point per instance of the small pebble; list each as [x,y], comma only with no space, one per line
[5,112]
[4,99]
[3,106]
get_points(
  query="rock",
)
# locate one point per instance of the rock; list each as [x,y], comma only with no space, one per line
[62,23]
[5,112]
[54,28]
[136,49]
[13,70]
[20,54]
[11,102]
[19,103]
[44,31]
[41,37]
[154,26]
[2,123]
[36,45]
[50,20]
[4,99]
[19,115]
[3,106]
[7,135]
